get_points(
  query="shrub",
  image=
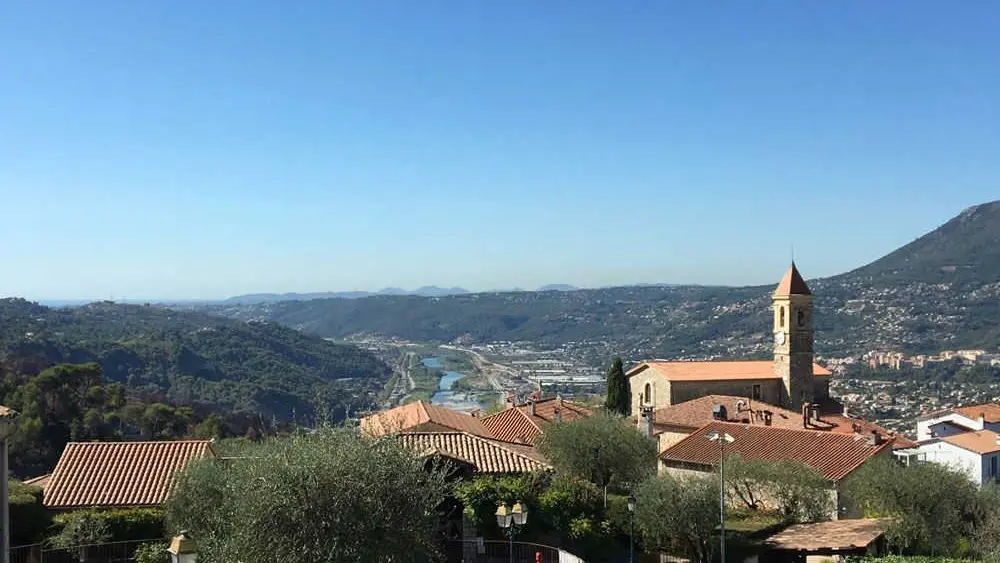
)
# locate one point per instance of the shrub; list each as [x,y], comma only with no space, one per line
[120,524]
[152,552]
[29,519]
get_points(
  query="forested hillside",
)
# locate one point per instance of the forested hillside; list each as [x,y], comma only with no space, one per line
[941,291]
[190,358]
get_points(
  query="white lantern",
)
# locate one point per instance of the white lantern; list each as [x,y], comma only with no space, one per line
[504,516]
[183,549]
[8,422]
[520,514]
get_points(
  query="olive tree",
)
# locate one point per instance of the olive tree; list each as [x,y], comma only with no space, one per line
[331,497]
[679,515]
[933,507]
[603,448]
[797,491]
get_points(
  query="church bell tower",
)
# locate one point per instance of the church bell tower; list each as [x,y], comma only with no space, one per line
[793,339]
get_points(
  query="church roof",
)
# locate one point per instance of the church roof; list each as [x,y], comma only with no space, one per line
[792,283]
[716,371]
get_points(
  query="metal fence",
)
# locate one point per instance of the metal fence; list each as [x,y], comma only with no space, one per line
[494,551]
[114,552]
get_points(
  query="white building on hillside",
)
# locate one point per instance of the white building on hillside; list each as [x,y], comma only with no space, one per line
[976,453]
[959,420]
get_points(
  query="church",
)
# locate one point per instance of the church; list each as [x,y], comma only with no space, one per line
[790,380]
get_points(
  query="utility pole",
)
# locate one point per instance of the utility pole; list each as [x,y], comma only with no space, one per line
[722,439]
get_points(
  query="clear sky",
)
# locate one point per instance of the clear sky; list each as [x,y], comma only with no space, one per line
[192,149]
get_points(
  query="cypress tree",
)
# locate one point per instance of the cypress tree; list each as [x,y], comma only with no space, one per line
[617,399]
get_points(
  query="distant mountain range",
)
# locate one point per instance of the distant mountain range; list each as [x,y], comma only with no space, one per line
[941,291]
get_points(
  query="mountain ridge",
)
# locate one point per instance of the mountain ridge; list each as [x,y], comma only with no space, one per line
[939,291]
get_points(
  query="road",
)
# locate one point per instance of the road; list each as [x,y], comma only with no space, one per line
[404,380]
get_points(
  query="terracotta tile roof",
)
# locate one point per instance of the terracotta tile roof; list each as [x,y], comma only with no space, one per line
[836,535]
[517,424]
[990,411]
[831,453]
[108,474]
[421,416]
[981,441]
[696,413]
[40,482]
[715,371]
[486,456]
[792,283]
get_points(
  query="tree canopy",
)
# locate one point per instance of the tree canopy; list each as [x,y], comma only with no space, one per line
[617,398]
[603,448]
[679,516]
[331,497]
[798,492]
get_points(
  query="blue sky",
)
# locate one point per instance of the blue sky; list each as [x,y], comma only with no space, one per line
[191,149]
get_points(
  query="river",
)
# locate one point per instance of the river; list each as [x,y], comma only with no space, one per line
[444,396]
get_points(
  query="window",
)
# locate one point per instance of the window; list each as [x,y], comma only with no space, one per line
[647,397]
[802,318]
[781,317]
[755,394]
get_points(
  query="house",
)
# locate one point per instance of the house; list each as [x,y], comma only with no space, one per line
[789,380]
[673,423]
[958,420]
[525,423]
[119,474]
[420,416]
[477,454]
[974,453]
[834,455]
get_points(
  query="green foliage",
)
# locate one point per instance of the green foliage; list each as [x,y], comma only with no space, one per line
[602,448]
[29,519]
[679,516]
[798,492]
[617,398]
[119,524]
[152,552]
[324,498]
[190,358]
[933,506]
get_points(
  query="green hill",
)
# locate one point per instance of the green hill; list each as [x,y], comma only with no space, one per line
[940,291]
[192,358]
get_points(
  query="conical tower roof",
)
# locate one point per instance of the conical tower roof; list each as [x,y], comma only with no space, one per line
[792,283]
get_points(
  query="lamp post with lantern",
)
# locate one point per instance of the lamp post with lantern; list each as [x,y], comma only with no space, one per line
[511,520]
[8,423]
[183,549]
[722,438]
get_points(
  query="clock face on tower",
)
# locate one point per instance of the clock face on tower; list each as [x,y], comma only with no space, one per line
[779,337]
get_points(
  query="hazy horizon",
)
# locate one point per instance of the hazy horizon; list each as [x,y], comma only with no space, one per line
[186,150]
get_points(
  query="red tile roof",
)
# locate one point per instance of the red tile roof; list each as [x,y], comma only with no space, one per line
[990,411]
[716,371]
[486,456]
[792,283]
[517,424]
[421,416]
[41,482]
[833,454]
[981,441]
[696,413]
[116,474]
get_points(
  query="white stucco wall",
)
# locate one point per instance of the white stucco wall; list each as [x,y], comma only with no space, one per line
[942,428]
[941,452]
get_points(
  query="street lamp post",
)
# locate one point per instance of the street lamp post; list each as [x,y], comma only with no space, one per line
[511,520]
[722,439]
[8,422]
[631,528]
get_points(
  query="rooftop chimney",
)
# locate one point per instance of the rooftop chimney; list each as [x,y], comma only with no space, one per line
[805,415]
[531,408]
[875,439]
[558,414]
[982,420]
[767,418]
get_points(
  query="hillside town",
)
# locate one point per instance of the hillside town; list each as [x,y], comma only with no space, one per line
[693,416]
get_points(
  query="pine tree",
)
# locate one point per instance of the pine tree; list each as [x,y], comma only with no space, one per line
[617,399]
